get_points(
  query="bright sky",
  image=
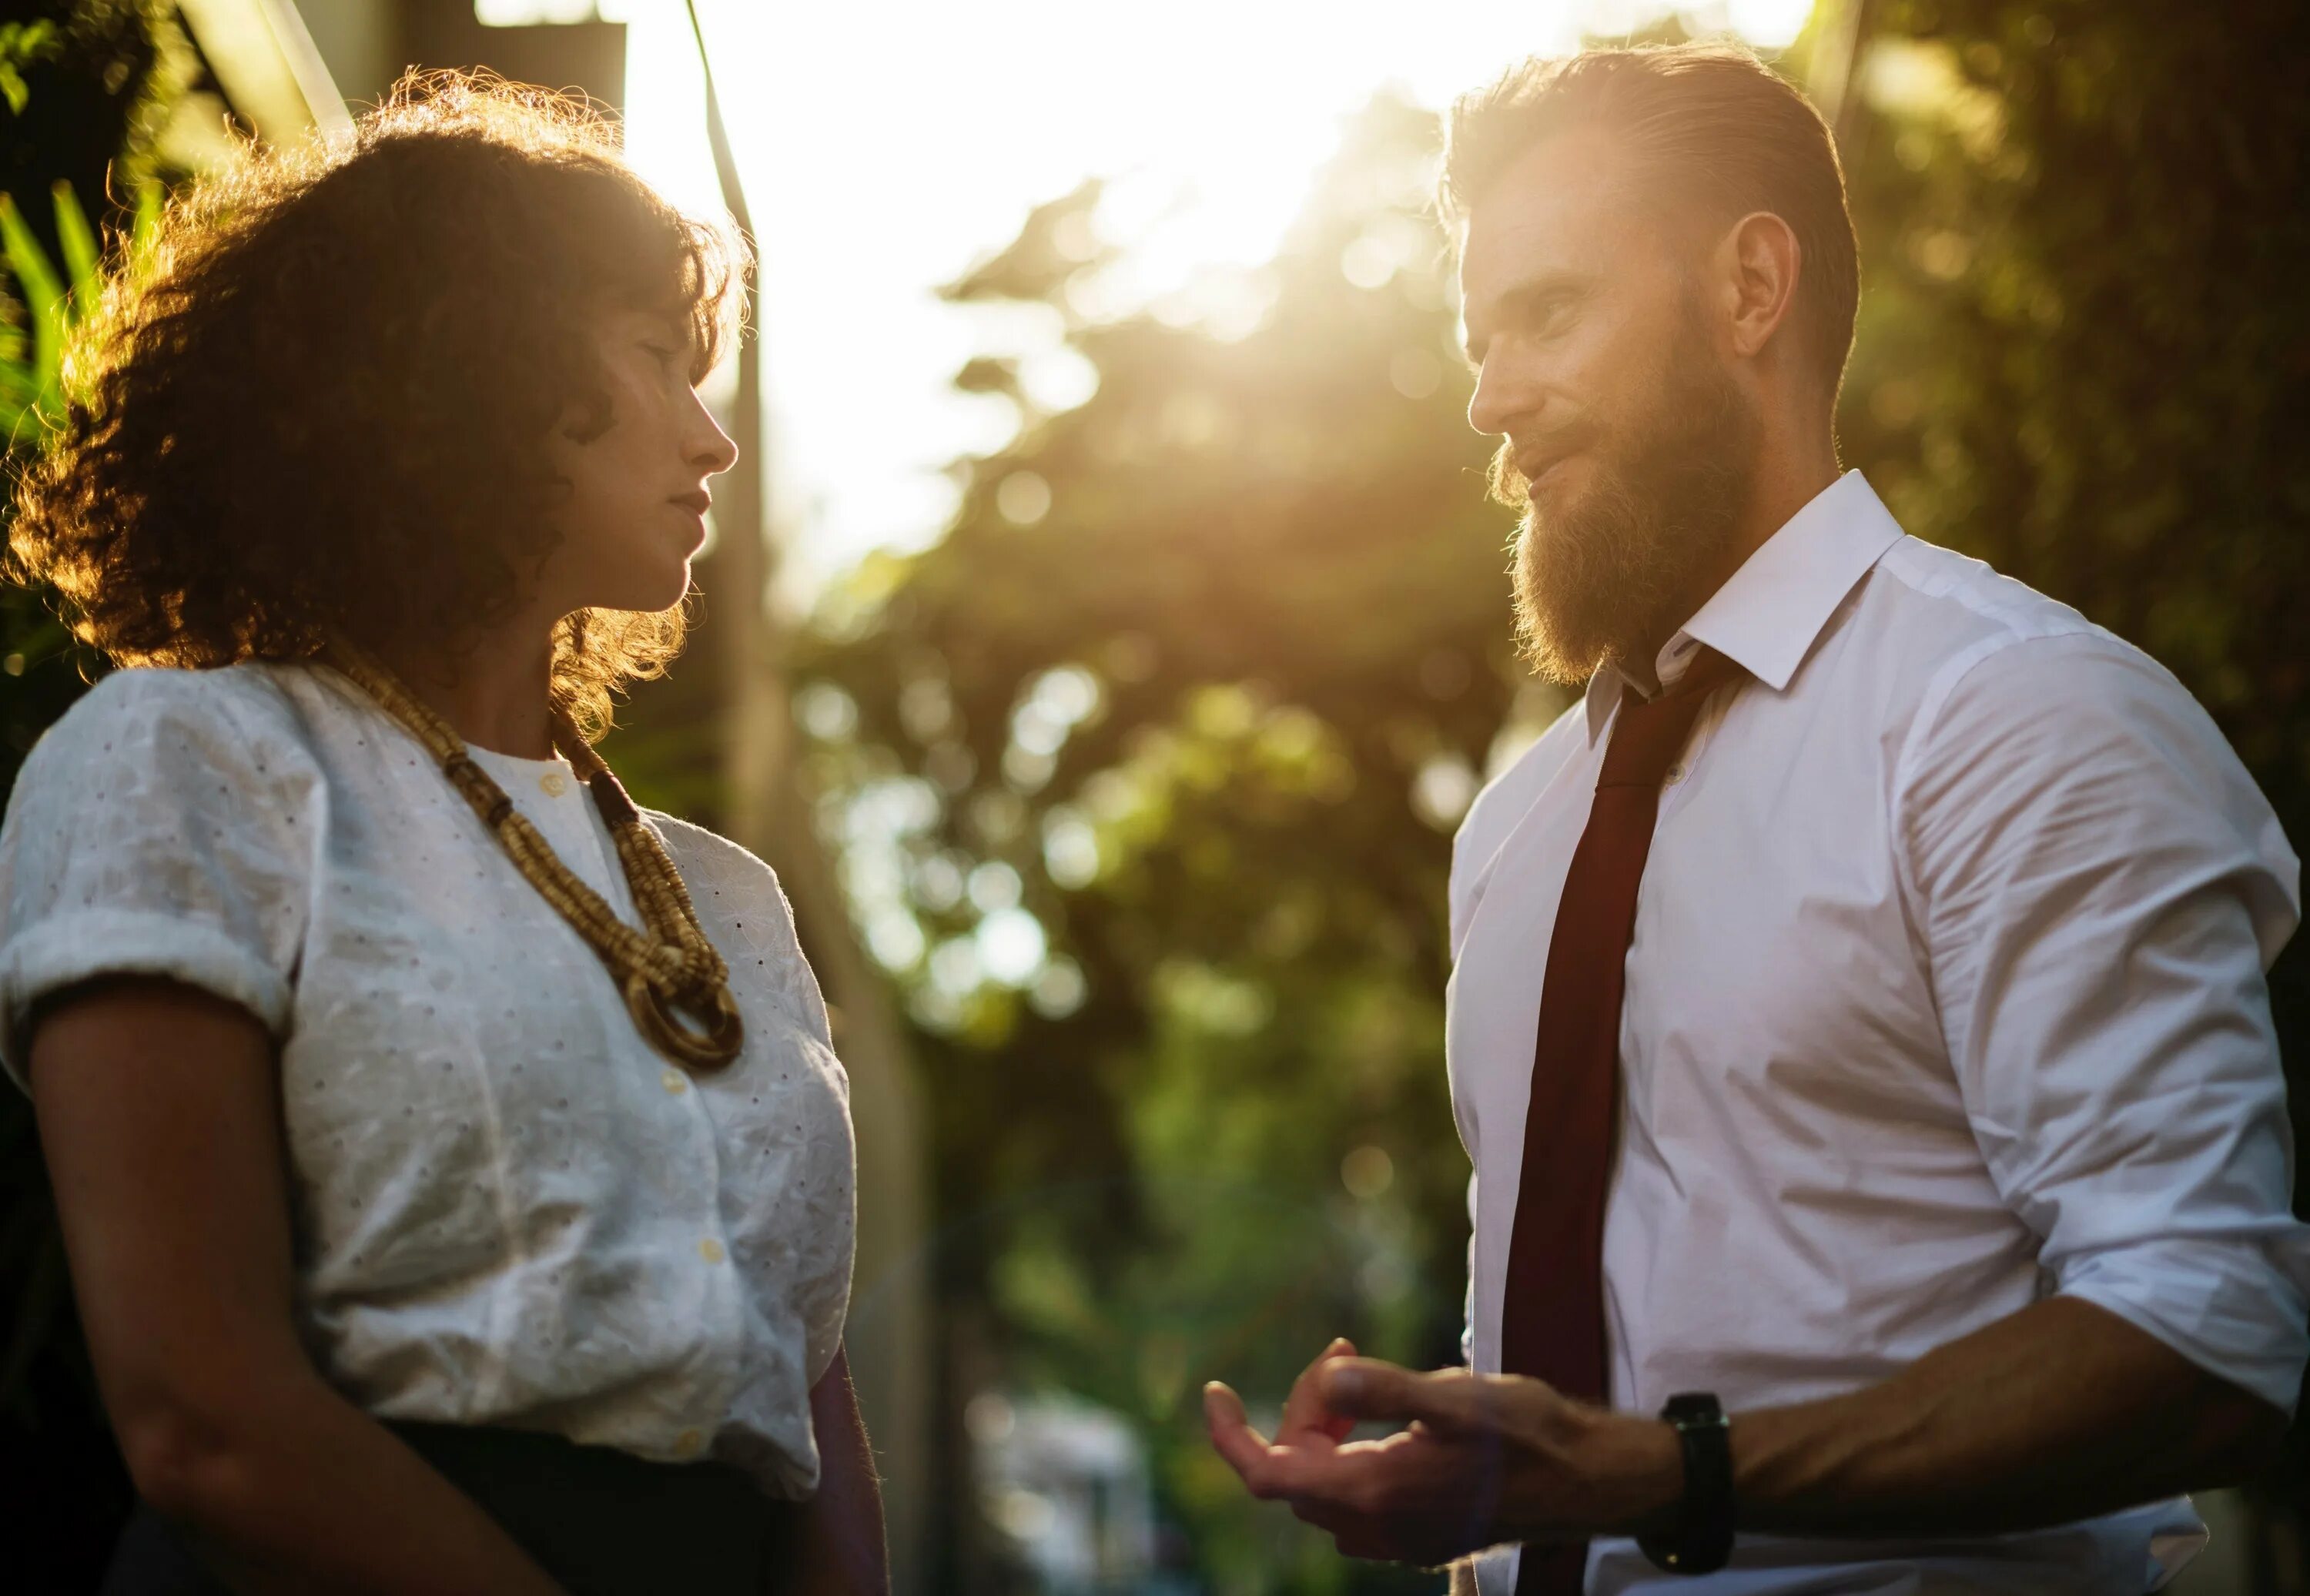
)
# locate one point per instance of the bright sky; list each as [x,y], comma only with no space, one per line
[885,147]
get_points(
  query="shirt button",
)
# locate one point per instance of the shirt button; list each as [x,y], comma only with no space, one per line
[688,1443]
[1675,774]
[675,1081]
[554,783]
[711,1251]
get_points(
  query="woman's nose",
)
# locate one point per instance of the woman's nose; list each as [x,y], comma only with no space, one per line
[712,451]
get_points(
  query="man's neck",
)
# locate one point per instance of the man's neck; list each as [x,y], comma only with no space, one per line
[495,695]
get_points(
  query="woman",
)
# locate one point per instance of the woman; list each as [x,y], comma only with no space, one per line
[455,1202]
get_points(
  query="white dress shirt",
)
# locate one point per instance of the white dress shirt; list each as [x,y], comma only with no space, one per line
[507,1208]
[1946,994]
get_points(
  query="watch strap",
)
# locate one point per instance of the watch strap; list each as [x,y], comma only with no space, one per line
[1701,1542]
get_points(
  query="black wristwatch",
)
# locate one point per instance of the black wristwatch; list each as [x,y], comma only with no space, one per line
[1702,1540]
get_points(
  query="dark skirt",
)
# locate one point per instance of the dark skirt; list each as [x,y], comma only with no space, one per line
[602,1523]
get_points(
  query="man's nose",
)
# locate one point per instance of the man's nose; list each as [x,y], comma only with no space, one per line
[1498,398]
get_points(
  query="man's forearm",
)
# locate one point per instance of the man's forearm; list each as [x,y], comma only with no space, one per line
[2058,1412]
[311,1494]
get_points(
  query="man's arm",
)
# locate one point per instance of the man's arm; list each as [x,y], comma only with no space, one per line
[843,1552]
[159,1114]
[2058,1412]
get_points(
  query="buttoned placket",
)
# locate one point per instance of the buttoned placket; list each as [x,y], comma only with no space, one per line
[565,796]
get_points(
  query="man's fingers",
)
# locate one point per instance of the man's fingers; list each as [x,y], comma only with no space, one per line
[1451,1402]
[1304,1412]
[1245,1448]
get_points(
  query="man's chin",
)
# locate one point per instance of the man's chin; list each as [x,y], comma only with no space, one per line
[1557,646]
[1568,630]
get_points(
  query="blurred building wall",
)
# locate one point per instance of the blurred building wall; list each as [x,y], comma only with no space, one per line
[367,43]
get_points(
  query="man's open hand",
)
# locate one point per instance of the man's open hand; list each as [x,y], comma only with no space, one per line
[1482,1458]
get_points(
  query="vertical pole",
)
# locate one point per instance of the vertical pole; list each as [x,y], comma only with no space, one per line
[889,1337]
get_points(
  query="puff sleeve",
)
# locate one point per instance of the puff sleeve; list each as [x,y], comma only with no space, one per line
[164,827]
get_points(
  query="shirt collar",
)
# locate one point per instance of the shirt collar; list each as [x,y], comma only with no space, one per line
[1767,617]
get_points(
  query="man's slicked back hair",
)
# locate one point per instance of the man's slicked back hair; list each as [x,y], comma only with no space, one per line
[1720,132]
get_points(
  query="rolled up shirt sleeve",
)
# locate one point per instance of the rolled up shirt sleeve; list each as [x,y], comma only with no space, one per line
[2101,889]
[164,827]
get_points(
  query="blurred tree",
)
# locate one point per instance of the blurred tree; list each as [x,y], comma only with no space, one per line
[2085,357]
[1144,774]
[1194,688]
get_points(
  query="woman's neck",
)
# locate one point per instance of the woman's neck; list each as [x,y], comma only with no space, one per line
[496,695]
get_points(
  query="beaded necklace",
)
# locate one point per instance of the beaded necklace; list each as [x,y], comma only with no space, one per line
[675,984]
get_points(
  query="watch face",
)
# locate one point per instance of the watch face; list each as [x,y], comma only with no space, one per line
[1693,1406]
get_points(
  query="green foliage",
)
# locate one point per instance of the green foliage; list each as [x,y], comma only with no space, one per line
[52,301]
[2088,356]
[1173,682]
[1143,777]
[2085,349]
[85,101]
[41,301]
[20,45]
[48,1395]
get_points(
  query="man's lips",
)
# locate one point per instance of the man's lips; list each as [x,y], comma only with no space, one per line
[1539,463]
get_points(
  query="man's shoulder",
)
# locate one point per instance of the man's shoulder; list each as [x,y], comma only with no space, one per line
[1953,603]
[2022,710]
[1938,621]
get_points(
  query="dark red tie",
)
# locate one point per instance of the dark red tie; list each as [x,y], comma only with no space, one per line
[1552,1310]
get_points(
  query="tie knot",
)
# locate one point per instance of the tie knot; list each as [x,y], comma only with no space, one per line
[1648,734]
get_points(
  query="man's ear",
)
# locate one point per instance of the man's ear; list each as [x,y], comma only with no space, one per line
[1757,266]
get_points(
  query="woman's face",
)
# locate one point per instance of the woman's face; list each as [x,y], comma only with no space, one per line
[636,508]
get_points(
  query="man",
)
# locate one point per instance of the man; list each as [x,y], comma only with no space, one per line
[1858,1023]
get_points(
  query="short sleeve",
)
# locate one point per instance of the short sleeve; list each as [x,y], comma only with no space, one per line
[2101,887]
[164,827]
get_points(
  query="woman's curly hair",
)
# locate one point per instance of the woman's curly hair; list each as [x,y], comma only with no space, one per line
[321,401]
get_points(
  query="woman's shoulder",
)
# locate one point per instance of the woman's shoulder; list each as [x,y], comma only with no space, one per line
[167,722]
[721,871]
[247,697]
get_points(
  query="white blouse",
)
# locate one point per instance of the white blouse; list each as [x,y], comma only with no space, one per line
[508,1209]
